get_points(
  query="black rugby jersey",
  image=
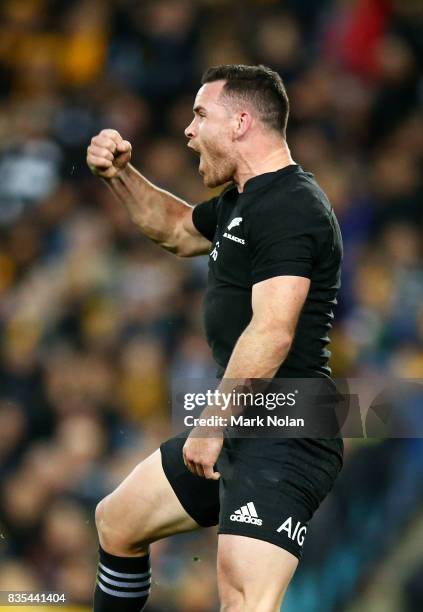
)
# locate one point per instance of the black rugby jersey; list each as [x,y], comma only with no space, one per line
[282,224]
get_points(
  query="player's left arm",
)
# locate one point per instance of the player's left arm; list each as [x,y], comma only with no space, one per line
[265,343]
[259,352]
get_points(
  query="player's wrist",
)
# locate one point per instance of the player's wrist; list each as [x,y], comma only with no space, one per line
[116,174]
[212,422]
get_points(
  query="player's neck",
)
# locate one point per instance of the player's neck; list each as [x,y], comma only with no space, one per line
[259,160]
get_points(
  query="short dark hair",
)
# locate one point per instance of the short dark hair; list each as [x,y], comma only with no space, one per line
[260,85]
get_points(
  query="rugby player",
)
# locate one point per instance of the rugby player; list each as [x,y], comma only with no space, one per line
[275,252]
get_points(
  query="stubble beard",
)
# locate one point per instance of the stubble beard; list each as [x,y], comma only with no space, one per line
[219,169]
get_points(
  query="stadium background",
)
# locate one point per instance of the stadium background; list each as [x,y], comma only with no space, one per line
[94,320]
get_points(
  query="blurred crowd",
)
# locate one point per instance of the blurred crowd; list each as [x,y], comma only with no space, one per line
[95,320]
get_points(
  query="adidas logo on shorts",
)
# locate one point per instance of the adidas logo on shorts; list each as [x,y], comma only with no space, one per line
[247,514]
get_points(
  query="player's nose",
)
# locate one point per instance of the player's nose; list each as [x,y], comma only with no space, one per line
[189,131]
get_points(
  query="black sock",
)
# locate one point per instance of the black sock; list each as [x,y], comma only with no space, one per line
[123,583]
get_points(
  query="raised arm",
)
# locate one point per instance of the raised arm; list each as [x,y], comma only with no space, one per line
[161,216]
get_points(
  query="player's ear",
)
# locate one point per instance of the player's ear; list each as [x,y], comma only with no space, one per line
[243,124]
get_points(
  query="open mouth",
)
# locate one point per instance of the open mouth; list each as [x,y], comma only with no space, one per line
[193,149]
[200,155]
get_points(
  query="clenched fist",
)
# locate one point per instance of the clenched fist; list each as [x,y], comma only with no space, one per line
[108,153]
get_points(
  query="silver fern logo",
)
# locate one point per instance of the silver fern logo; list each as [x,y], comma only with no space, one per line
[235,222]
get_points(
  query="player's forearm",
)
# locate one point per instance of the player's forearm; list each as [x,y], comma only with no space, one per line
[259,353]
[156,212]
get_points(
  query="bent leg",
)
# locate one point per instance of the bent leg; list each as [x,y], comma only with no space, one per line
[252,575]
[143,509]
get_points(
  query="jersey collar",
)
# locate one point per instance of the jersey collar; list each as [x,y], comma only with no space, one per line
[262,180]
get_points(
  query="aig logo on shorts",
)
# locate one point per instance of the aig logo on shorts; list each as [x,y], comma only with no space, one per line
[247,514]
[296,534]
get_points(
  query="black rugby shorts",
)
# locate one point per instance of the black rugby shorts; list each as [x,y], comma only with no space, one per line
[269,489]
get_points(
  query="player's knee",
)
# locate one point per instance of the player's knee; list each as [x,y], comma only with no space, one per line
[235,597]
[232,600]
[100,517]
[239,601]
[115,535]
[232,596]
[110,533]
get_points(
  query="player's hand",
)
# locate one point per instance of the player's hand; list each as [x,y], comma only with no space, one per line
[201,453]
[108,154]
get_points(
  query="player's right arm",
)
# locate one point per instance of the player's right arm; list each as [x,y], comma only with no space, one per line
[161,216]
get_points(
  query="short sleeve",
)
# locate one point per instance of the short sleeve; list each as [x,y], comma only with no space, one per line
[204,217]
[283,241]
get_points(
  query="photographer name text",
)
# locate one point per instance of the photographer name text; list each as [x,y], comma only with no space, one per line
[270,420]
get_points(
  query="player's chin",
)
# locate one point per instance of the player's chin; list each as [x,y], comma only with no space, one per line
[210,181]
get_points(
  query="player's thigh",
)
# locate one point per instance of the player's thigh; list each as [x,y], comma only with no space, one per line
[141,510]
[253,575]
